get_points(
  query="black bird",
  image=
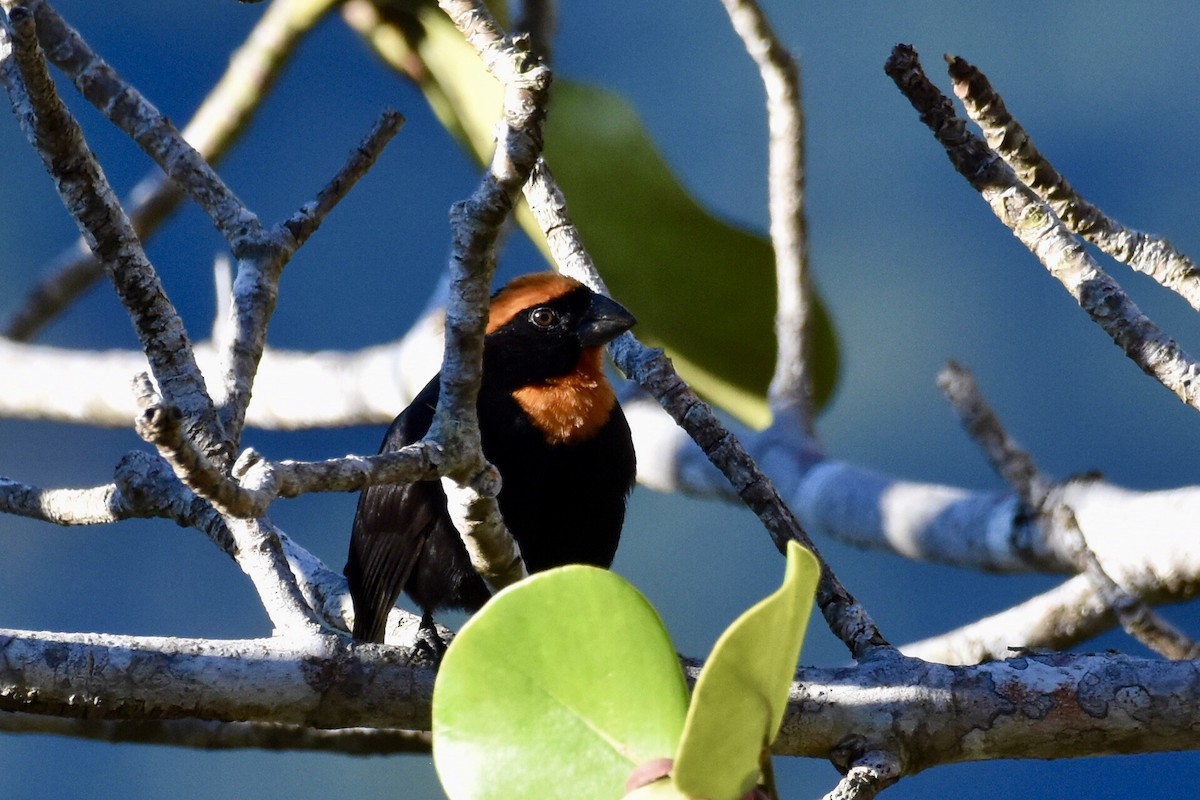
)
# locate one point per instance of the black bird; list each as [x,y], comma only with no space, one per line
[549,422]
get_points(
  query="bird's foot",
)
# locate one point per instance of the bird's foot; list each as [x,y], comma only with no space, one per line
[429,645]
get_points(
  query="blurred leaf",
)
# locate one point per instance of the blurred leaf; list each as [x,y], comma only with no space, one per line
[560,686]
[701,288]
[742,692]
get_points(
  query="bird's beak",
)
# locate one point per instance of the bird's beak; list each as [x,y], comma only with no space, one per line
[606,319]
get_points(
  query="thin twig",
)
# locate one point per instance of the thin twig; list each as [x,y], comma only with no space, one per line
[305,222]
[129,111]
[790,391]
[256,287]
[846,617]
[1034,223]
[1010,461]
[1145,252]
[221,118]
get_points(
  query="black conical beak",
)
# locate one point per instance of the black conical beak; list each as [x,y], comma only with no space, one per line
[606,319]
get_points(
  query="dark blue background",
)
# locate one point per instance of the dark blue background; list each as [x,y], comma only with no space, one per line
[912,264]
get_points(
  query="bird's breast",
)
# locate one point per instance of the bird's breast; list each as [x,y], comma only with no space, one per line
[571,408]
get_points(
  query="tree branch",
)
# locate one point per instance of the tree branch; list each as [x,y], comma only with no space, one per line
[293,390]
[1053,706]
[983,425]
[1145,252]
[476,224]
[256,287]
[1017,468]
[790,391]
[157,136]
[318,681]
[1034,223]
[1136,616]
[1044,706]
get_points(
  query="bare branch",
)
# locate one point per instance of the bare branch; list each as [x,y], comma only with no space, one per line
[1018,469]
[262,254]
[305,222]
[293,390]
[417,462]
[94,506]
[1058,619]
[1012,463]
[256,287]
[256,544]
[1034,223]
[137,117]
[160,425]
[318,681]
[261,556]
[1053,706]
[1034,706]
[476,225]
[790,391]
[1144,252]
[224,114]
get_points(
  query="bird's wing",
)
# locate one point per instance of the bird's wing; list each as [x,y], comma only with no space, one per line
[391,526]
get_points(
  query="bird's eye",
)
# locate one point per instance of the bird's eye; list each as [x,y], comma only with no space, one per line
[543,317]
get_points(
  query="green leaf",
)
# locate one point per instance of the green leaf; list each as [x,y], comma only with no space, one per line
[742,692]
[559,687]
[701,288]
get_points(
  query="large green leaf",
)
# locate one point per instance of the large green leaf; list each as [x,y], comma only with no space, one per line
[559,687]
[701,288]
[742,692]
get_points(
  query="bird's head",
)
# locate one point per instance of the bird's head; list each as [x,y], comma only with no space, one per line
[545,326]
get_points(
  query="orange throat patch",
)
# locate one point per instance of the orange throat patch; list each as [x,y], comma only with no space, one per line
[571,408]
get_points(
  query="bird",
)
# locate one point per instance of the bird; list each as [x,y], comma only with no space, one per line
[550,423]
